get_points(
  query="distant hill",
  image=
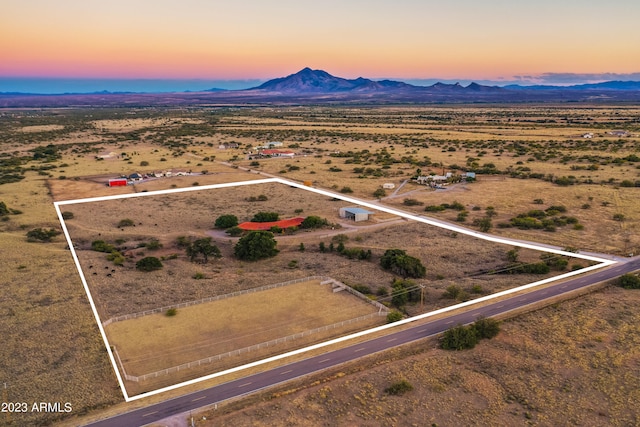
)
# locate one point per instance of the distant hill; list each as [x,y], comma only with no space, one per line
[319,81]
[309,86]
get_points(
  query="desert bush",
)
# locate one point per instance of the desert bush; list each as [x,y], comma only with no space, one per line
[126,223]
[629,281]
[42,235]
[102,246]
[66,215]
[412,202]
[486,327]
[394,316]
[398,388]
[149,263]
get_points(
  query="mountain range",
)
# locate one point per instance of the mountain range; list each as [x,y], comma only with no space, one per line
[309,86]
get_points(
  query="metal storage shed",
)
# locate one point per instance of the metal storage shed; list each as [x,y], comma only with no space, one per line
[354,213]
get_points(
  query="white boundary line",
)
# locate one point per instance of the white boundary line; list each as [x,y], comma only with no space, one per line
[602,263]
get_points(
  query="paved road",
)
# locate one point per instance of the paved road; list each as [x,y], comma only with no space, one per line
[288,372]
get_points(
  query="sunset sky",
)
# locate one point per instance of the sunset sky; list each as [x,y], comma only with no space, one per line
[497,40]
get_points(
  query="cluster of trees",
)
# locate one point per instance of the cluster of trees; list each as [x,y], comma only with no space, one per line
[397,261]
[464,337]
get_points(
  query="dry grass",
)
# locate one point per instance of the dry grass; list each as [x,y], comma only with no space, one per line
[209,329]
[44,306]
[573,363]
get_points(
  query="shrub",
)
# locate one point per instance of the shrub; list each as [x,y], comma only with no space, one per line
[399,388]
[412,202]
[234,231]
[102,246]
[171,312]
[149,263]
[379,193]
[618,217]
[346,190]
[629,281]
[434,208]
[198,276]
[41,235]
[393,316]
[126,223]
[144,163]
[486,327]
[363,289]
[67,215]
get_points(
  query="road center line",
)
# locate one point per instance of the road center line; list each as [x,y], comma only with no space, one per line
[150,413]
[324,360]
[286,372]
[243,385]
[198,398]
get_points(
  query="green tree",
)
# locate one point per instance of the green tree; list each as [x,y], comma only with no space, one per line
[399,295]
[149,263]
[256,245]
[226,221]
[265,217]
[459,338]
[397,261]
[313,221]
[202,247]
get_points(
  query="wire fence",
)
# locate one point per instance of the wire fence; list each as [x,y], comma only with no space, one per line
[249,349]
[209,299]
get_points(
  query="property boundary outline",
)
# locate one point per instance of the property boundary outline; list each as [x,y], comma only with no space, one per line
[601,264]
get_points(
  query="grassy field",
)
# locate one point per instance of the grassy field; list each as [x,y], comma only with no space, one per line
[51,349]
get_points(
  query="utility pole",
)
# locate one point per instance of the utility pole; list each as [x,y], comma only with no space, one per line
[422,298]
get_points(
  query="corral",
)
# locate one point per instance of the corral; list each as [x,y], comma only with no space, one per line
[238,328]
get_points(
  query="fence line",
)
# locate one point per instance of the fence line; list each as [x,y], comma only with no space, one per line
[254,347]
[379,306]
[209,299]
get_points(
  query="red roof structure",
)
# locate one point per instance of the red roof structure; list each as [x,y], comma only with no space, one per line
[284,223]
